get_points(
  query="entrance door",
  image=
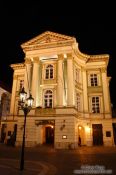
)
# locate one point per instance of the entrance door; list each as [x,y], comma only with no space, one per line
[97,134]
[49,132]
[114,132]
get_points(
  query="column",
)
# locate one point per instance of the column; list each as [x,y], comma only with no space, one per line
[13,95]
[70,80]
[85,96]
[28,75]
[106,96]
[35,81]
[60,86]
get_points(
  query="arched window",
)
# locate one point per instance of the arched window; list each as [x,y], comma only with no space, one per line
[49,72]
[48,99]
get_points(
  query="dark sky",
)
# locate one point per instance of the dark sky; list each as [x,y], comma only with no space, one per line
[94,29]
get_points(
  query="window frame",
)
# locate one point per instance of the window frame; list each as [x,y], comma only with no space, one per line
[95,105]
[49,72]
[48,99]
[93,80]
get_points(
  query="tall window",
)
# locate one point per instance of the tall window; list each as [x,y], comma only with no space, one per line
[48,99]
[94,80]
[49,72]
[78,101]
[95,105]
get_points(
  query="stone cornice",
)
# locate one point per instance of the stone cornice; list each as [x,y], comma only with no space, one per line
[17,66]
[47,45]
[91,58]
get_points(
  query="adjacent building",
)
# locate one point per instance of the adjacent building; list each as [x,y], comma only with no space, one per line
[5,97]
[70,91]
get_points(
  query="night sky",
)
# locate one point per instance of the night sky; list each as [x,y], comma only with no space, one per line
[94,30]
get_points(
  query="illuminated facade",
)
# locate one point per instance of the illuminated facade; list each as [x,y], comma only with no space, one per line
[70,91]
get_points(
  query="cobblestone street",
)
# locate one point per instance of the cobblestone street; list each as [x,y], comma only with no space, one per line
[60,162]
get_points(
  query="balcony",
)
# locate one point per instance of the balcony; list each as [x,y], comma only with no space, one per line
[45,111]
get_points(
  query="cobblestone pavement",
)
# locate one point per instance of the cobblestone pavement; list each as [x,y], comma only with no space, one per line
[48,160]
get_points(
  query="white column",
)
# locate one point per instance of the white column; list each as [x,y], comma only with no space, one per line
[35,81]
[13,96]
[85,96]
[27,78]
[70,80]
[106,96]
[60,86]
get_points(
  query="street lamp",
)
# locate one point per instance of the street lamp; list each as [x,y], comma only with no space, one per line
[26,105]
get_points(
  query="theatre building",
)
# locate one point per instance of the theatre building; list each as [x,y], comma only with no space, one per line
[70,91]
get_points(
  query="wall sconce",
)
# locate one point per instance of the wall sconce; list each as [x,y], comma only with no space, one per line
[80,127]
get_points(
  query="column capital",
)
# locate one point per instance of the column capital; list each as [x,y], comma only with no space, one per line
[60,56]
[69,56]
[27,61]
[36,60]
[103,70]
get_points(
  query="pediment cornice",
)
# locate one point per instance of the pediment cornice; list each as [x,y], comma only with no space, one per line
[48,40]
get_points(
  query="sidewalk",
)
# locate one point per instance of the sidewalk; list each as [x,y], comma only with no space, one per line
[11,167]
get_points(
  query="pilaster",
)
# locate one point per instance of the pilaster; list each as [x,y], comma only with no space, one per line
[70,80]
[105,91]
[35,81]
[13,95]
[85,96]
[60,86]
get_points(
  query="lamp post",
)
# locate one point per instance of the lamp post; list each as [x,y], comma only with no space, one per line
[26,105]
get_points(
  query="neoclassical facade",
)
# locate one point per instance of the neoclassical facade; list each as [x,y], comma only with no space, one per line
[70,91]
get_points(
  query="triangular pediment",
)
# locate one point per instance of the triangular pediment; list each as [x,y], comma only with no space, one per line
[46,38]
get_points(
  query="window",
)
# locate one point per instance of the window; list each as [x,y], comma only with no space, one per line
[48,99]
[78,101]
[94,80]
[95,105]
[49,72]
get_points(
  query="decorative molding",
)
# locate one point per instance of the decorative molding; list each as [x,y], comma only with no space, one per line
[48,45]
[18,66]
